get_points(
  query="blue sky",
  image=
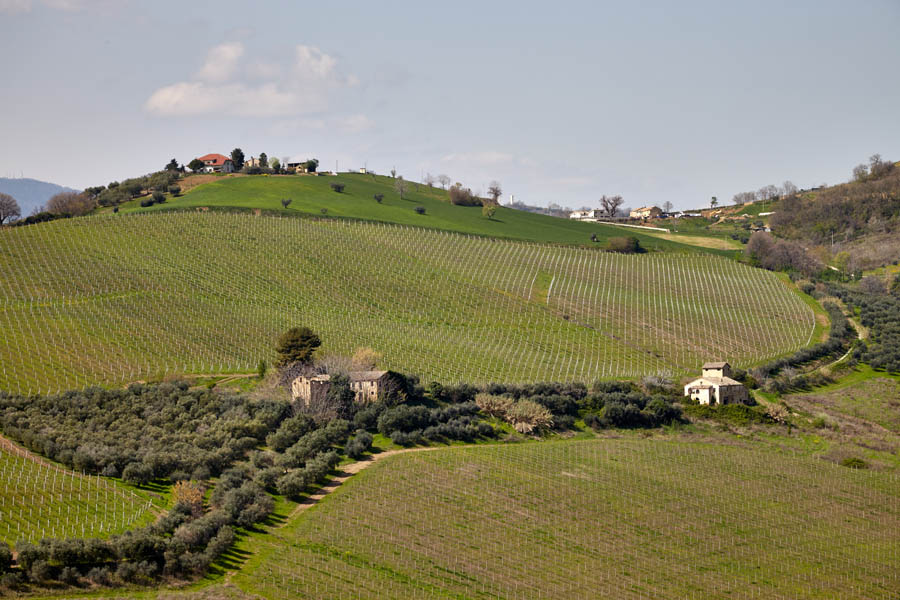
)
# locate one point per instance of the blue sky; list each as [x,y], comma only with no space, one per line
[560,102]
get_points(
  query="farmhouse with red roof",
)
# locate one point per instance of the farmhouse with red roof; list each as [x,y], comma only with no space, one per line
[217,163]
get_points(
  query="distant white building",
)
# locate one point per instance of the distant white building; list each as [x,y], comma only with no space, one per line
[584,215]
[716,386]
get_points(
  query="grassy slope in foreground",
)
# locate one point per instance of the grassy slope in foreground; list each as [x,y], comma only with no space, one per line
[119,298]
[598,518]
[312,194]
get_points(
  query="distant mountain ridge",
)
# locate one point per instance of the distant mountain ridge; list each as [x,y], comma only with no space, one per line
[31,193]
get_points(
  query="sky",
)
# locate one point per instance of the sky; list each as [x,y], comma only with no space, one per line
[560,102]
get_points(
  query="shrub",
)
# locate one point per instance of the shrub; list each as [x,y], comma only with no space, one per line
[854,463]
[461,196]
[5,557]
[420,210]
[359,444]
[137,474]
[403,418]
[624,245]
[527,416]
[338,187]
[378,198]
[158,197]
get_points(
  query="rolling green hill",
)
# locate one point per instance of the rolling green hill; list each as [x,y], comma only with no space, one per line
[118,298]
[311,195]
[603,518]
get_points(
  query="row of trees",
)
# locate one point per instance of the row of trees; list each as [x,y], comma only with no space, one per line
[76,204]
[766,193]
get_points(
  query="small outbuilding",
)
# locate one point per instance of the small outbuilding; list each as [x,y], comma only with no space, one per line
[716,386]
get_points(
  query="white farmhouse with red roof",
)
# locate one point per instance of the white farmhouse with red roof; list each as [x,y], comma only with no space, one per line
[217,163]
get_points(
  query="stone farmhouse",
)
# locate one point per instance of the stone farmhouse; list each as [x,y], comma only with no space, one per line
[716,386]
[217,163]
[646,212]
[365,384]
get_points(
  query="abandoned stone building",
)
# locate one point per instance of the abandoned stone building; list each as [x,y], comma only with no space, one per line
[365,384]
[716,386]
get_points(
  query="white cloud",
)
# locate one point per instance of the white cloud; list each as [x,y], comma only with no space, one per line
[222,86]
[221,62]
[312,63]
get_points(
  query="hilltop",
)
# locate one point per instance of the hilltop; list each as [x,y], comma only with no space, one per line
[314,196]
[30,193]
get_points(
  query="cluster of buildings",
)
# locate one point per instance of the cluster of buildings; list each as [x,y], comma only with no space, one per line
[642,213]
[714,386]
[219,163]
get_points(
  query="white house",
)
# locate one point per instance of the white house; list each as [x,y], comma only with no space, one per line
[716,386]
[217,163]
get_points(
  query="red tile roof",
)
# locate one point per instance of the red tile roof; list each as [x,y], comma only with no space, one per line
[215,160]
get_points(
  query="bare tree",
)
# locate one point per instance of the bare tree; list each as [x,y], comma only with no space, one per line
[429,180]
[71,203]
[495,191]
[444,180]
[788,188]
[860,172]
[667,206]
[744,197]
[393,172]
[9,208]
[400,186]
[611,204]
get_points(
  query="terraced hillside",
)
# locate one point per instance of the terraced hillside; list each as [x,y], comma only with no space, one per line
[40,500]
[118,298]
[592,519]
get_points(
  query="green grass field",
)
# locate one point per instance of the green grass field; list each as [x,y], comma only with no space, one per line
[310,195]
[119,298]
[40,500]
[605,518]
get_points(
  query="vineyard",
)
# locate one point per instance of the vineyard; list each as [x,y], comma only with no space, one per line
[40,500]
[592,519]
[114,299]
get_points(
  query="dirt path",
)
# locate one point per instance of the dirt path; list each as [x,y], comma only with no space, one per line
[346,472]
[861,334]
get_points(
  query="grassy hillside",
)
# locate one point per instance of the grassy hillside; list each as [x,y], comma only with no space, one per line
[119,298]
[40,500]
[311,195]
[609,518]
